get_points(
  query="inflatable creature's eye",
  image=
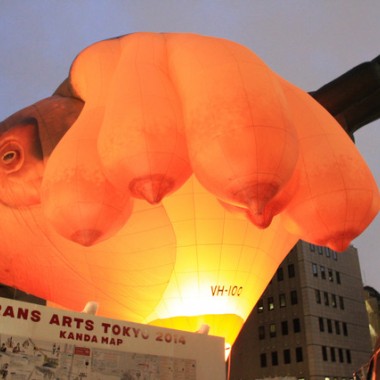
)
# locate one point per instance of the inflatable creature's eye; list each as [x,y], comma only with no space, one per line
[11,157]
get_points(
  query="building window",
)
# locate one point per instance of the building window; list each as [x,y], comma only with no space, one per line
[344,326]
[348,356]
[296,325]
[320,250]
[299,354]
[293,297]
[314,269]
[321,324]
[291,271]
[317,296]
[333,300]
[337,327]
[337,277]
[328,252]
[323,272]
[284,328]
[270,303]
[260,306]
[280,274]
[263,360]
[286,356]
[282,300]
[330,274]
[341,302]
[340,354]
[272,330]
[329,326]
[334,255]
[312,247]
[274,358]
[324,353]
[332,354]
[326,298]
[261,332]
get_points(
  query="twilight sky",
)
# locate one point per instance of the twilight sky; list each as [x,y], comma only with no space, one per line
[307,42]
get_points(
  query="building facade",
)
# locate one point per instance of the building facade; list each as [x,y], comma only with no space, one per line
[311,322]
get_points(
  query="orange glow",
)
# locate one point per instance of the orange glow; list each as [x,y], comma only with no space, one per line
[223,264]
[189,174]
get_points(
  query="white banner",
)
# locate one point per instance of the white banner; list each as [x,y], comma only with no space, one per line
[39,343]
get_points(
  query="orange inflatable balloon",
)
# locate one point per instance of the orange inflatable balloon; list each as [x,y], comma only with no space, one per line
[337,196]
[205,129]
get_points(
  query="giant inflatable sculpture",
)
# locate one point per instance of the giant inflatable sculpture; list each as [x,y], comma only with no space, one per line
[167,178]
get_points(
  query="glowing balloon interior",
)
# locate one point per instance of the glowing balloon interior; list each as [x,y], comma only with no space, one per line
[167,178]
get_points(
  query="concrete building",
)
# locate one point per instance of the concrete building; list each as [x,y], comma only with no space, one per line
[311,322]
